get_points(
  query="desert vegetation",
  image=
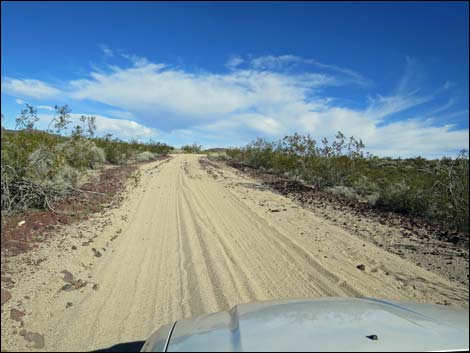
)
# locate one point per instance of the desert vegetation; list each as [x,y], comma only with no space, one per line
[40,167]
[436,190]
[193,148]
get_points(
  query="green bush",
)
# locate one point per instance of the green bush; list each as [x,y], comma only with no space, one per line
[437,190]
[145,156]
[81,153]
[194,148]
[121,152]
[39,166]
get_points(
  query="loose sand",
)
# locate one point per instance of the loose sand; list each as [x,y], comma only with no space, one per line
[188,240]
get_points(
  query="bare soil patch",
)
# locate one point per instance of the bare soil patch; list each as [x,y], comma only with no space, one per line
[412,238]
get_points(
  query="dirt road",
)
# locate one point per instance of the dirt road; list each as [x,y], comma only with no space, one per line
[192,239]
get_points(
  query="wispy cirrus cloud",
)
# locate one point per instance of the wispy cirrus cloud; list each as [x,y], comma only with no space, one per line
[107,51]
[43,107]
[28,88]
[282,61]
[263,97]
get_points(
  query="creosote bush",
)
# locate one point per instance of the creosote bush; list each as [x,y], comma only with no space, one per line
[194,148]
[437,190]
[38,167]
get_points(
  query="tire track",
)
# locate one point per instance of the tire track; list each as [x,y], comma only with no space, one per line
[197,244]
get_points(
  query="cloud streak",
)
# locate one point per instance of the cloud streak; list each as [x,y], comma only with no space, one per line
[267,96]
[28,88]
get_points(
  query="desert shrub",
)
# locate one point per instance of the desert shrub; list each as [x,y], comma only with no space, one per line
[344,191]
[17,146]
[38,167]
[194,148]
[81,153]
[451,191]
[437,190]
[44,164]
[403,197]
[145,156]
[67,176]
[158,148]
[121,152]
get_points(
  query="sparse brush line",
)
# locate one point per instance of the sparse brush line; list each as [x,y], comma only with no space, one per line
[54,160]
[437,190]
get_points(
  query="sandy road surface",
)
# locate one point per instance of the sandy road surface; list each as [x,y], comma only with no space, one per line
[194,240]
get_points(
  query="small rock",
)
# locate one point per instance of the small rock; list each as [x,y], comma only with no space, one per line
[16,315]
[5,296]
[68,287]
[274,210]
[95,286]
[96,252]
[35,338]
[74,247]
[21,223]
[68,277]
[68,305]
[361,267]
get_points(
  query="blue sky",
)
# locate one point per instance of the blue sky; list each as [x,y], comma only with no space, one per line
[222,74]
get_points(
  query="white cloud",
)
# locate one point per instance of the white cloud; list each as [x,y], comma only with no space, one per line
[108,52]
[264,99]
[28,88]
[443,108]
[234,61]
[414,137]
[139,61]
[120,114]
[279,62]
[382,107]
[122,128]
[45,107]
[176,98]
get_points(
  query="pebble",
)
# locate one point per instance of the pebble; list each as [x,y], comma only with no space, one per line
[361,267]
